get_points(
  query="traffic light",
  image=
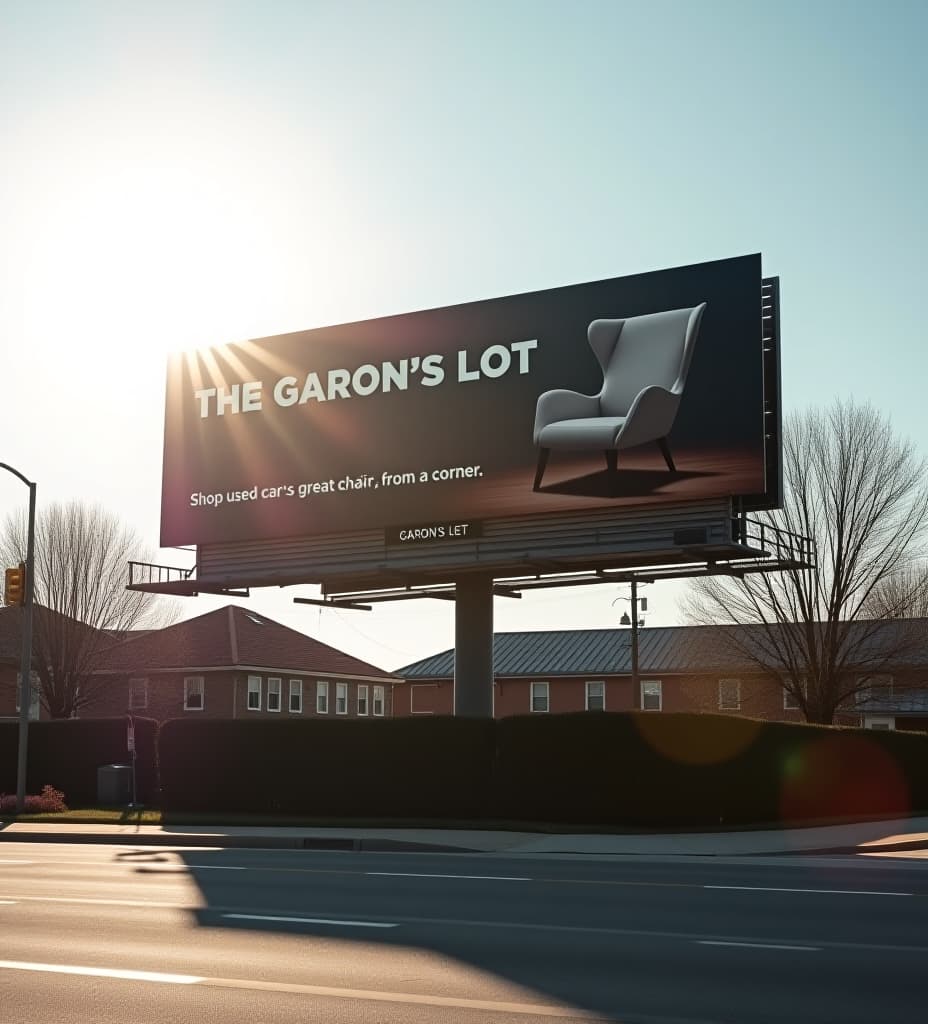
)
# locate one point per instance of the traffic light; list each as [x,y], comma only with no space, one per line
[14,585]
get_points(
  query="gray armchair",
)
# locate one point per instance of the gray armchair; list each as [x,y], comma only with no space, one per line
[645,360]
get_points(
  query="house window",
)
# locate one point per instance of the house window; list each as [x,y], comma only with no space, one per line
[596,696]
[138,694]
[273,694]
[651,695]
[378,701]
[730,694]
[322,698]
[875,690]
[35,695]
[296,696]
[362,700]
[790,701]
[539,697]
[254,693]
[341,698]
[194,698]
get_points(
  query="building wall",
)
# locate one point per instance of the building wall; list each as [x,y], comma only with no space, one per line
[226,696]
[757,696]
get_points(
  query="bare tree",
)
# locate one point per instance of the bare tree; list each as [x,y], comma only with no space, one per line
[902,595]
[82,605]
[826,634]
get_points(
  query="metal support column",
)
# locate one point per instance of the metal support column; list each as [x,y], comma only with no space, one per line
[473,647]
[636,685]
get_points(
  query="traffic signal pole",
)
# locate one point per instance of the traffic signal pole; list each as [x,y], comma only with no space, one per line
[25,661]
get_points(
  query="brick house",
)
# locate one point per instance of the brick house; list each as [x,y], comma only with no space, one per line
[237,663]
[681,668]
[10,653]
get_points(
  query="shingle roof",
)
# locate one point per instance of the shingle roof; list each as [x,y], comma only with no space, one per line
[233,637]
[664,649]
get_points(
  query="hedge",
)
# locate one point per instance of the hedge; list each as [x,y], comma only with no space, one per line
[67,753]
[397,768]
[702,770]
[610,769]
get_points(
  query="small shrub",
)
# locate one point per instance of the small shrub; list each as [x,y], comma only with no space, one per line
[48,801]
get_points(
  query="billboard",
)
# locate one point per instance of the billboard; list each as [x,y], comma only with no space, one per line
[627,391]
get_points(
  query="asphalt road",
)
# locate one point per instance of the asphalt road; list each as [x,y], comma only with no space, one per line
[117,934]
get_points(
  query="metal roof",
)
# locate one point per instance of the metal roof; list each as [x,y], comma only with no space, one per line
[662,649]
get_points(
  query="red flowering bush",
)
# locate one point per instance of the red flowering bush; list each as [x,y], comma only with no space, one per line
[49,800]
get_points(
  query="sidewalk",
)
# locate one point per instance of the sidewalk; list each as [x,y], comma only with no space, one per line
[908,835]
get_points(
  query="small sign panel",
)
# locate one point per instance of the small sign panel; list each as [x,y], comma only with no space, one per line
[433,533]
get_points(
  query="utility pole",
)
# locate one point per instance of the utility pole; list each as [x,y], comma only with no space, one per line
[25,660]
[635,623]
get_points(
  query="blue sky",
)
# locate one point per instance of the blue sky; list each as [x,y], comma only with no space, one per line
[187,174]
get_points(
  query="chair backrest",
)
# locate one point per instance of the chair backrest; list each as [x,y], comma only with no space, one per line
[656,348]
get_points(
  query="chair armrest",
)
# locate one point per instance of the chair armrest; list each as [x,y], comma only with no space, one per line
[650,417]
[563,405]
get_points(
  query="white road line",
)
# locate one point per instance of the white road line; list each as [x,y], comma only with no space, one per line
[101,972]
[213,867]
[758,945]
[8,903]
[367,995]
[4,863]
[312,920]
[163,904]
[416,874]
[826,892]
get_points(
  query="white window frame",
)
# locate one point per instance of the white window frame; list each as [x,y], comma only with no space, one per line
[730,705]
[275,688]
[341,698]
[546,691]
[322,697]
[660,694]
[255,685]
[595,682]
[362,696]
[200,688]
[296,690]
[134,685]
[378,700]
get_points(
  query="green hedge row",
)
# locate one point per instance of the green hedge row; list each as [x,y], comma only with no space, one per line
[440,767]
[632,769]
[67,753]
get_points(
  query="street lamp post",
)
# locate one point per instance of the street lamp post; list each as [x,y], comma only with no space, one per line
[635,622]
[25,660]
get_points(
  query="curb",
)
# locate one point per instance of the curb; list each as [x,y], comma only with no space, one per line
[355,845]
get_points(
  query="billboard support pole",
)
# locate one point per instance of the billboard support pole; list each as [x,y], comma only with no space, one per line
[473,646]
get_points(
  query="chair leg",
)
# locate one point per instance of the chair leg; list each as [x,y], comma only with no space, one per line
[612,460]
[543,454]
[665,451]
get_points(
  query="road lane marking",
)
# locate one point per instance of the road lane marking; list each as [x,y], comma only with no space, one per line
[312,920]
[825,892]
[8,903]
[4,863]
[86,900]
[416,874]
[443,922]
[758,945]
[212,867]
[359,994]
[102,972]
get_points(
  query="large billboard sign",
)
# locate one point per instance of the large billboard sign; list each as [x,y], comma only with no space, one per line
[627,391]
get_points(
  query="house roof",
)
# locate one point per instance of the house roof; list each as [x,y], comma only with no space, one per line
[233,637]
[661,649]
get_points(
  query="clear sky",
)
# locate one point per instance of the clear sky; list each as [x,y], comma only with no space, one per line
[181,174]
